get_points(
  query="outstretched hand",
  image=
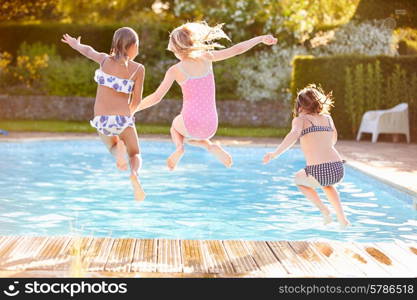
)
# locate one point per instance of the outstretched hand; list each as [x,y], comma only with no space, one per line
[269,40]
[73,42]
[268,157]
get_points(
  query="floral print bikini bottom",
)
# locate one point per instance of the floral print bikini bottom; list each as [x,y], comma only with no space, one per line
[112,125]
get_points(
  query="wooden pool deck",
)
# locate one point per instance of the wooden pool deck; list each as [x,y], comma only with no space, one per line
[65,256]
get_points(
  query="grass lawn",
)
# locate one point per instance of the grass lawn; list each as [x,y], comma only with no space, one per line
[84,127]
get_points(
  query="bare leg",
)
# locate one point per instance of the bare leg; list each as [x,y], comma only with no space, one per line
[117,148]
[178,132]
[305,184]
[130,137]
[215,149]
[334,199]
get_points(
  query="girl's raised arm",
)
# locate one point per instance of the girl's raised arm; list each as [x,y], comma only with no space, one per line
[160,92]
[85,50]
[240,48]
[288,142]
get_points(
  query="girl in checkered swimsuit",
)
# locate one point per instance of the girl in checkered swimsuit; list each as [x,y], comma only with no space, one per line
[314,127]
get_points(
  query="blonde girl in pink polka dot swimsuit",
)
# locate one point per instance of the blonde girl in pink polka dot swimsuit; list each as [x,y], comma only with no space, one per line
[192,44]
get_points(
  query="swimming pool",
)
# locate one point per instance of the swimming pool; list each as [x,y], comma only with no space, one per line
[62,187]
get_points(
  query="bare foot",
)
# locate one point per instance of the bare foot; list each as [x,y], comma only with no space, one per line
[137,188]
[174,158]
[121,161]
[344,224]
[221,155]
[327,218]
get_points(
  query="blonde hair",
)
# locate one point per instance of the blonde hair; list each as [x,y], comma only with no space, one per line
[194,39]
[123,39]
[312,99]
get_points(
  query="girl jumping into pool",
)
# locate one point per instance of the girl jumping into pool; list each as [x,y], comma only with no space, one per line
[119,92]
[315,128]
[192,44]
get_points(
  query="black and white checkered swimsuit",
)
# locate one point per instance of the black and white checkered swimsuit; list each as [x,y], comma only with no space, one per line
[328,173]
[314,128]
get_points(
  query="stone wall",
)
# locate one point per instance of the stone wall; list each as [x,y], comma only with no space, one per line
[235,113]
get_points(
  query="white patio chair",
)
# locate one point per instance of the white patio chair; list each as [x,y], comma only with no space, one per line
[394,120]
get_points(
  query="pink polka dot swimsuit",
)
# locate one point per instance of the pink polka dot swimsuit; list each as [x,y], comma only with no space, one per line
[199,105]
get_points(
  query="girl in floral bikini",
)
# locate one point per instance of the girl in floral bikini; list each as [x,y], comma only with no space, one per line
[192,44]
[314,127]
[119,92]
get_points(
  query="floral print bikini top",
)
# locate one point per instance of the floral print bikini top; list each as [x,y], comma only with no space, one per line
[121,85]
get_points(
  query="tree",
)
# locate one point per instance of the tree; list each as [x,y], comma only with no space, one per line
[101,11]
[28,10]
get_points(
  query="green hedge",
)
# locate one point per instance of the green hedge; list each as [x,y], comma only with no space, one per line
[382,9]
[153,38]
[330,73]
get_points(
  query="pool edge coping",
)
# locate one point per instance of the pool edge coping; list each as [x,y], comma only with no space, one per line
[403,189]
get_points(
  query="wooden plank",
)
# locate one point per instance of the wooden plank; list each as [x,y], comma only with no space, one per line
[43,253]
[265,259]
[74,257]
[199,258]
[216,257]
[8,244]
[383,259]
[126,254]
[36,245]
[240,257]
[3,239]
[24,255]
[50,254]
[20,247]
[60,259]
[46,251]
[360,259]
[410,248]
[39,254]
[169,256]
[98,254]
[121,256]
[111,260]
[400,256]
[289,259]
[8,247]
[338,259]
[314,261]
[145,256]
[14,254]
[193,258]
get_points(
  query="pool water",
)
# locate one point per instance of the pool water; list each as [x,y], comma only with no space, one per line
[67,187]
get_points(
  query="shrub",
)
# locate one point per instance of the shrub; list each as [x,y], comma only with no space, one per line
[352,82]
[73,77]
[226,78]
[364,90]
[5,60]
[31,60]
[367,38]
[267,74]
